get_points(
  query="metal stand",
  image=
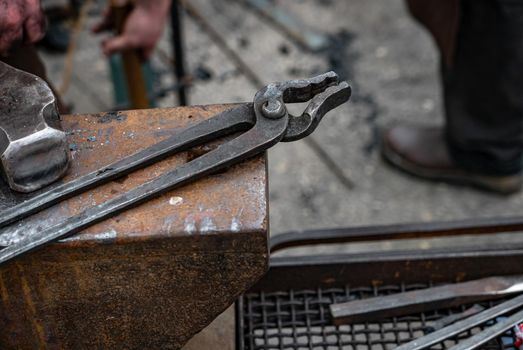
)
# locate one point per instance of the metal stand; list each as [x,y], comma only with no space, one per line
[179,61]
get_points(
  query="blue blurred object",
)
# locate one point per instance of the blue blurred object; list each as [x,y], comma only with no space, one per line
[120,91]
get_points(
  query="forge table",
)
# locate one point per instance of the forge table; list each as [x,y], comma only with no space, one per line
[149,278]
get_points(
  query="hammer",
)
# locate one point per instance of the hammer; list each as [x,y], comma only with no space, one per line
[33,148]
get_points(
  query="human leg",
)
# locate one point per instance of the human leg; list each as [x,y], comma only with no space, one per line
[481,45]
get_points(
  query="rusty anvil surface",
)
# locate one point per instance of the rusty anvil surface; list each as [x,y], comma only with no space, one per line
[151,277]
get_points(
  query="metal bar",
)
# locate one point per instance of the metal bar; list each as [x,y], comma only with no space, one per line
[448,320]
[265,133]
[330,163]
[406,303]
[290,25]
[179,54]
[222,44]
[239,323]
[439,265]
[463,325]
[399,231]
[236,119]
[490,333]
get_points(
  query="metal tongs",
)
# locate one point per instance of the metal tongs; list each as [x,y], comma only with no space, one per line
[264,122]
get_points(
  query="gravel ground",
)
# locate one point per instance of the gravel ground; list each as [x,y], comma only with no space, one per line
[391,64]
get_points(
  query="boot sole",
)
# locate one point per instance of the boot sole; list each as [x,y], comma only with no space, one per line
[499,184]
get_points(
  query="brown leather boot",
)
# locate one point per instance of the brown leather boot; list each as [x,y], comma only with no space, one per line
[423,152]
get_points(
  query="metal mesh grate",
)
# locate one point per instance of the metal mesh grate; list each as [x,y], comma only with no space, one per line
[300,320]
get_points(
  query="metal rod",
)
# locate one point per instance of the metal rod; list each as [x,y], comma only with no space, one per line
[463,325]
[399,231]
[220,124]
[222,44]
[338,172]
[453,318]
[289,25]
[490,333]
[179,54]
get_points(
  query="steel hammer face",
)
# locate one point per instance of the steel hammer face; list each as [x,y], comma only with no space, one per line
[33,148]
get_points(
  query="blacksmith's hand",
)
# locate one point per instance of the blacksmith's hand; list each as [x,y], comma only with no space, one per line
[21,22]
[142,30]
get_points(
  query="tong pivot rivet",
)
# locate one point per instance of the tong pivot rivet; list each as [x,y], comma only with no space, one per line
[273,109]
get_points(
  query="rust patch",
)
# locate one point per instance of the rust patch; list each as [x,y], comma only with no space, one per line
[238,194]
[152,276]
[28,298]
[3,290]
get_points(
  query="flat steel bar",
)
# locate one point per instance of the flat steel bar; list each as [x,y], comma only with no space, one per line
[490,333]
[463,325]
[422,300]
[399,231]
[265,133]
[453,318]
[238,118]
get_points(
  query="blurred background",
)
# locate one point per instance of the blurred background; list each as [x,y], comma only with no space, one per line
[336,178]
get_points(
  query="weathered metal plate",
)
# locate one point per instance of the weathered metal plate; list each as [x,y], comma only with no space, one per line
[150,277]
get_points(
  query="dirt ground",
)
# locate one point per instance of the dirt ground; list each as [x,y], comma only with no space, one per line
[392,66]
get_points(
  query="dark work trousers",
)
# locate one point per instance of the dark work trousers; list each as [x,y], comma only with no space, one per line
[26,58]
[481,44]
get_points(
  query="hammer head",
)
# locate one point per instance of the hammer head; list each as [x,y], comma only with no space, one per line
[33,148]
